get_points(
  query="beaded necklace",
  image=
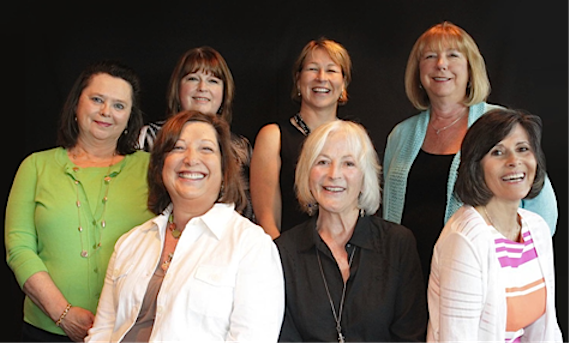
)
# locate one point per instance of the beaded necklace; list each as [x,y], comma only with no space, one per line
[299,120]
[107,182]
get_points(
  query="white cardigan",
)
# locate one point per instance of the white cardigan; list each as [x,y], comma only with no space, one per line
[466,293]
[225,282]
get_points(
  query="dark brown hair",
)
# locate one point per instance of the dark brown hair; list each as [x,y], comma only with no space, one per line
[158,198]
[204,59]
[484,134]
[68,128]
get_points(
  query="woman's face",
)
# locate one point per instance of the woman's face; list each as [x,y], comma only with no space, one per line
[320,82]
[104,108]
[444,74]
[336,180]
[193,169]
[510,167]
[201,91]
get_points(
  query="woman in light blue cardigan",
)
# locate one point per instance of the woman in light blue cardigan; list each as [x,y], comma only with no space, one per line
[446,78]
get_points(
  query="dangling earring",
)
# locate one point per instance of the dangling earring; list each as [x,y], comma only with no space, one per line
[312,208]
[362,212]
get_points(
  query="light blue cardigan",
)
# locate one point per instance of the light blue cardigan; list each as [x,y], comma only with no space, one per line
[402,148]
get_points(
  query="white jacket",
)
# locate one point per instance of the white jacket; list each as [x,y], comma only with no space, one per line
[466,293]
[225,282]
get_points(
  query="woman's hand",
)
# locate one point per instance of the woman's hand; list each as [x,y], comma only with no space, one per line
[76,323]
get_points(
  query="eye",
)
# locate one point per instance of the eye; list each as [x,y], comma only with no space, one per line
[430,56]
[321,162]
[97,99]
[191,77]
[215,81]
[496,152]
[350,163]
[523,149]
[119,106]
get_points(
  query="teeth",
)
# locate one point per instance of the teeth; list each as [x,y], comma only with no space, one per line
[441,79]
[201,99]
[333,189]
[515,176]
[191,175]
[321,90]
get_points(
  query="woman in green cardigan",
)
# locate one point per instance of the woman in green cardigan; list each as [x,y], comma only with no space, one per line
[68,205]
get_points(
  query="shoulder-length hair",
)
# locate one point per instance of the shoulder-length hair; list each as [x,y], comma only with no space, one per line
[362,149]
[232,191]
[207,60]
[482,136]
[68,127]
[435,38]
[337,53]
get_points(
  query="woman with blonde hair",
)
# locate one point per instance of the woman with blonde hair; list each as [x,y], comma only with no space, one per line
[447,81]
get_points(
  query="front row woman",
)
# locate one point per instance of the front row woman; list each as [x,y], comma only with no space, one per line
[198,271]
[349,276]
[492,272]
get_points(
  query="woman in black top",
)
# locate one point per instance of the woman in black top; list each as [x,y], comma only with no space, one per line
[348,276]
[321,76]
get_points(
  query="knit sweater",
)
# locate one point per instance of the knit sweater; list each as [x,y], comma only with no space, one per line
[402,148]
[42,221]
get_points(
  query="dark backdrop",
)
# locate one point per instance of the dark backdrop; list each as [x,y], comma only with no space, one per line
[525,45]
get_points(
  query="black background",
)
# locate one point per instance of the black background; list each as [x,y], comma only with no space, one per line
[525,46]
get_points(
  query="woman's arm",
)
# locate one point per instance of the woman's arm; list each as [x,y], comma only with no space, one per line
[259,294]
[45,294]
[264,179]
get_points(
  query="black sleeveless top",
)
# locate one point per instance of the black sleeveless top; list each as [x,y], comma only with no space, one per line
[424,207]
[291,144]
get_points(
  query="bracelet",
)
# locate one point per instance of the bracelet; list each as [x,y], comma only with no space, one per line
[58,322]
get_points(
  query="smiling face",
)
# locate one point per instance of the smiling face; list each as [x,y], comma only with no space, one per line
[193,169]
[201,91]
[336,180]
[444,73]
[320,81]
[104,108]
[510,167]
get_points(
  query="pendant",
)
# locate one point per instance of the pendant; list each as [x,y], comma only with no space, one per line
[340,338]
[84,254]
[176,233]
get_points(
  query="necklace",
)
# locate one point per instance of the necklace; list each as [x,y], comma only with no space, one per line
[492,224]
[107,182]
[176,233]
[437,131]
[338,317]
[299,120]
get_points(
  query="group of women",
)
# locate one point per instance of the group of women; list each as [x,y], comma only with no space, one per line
[167,232]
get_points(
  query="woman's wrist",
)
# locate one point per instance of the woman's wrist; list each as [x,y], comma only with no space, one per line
[63,315]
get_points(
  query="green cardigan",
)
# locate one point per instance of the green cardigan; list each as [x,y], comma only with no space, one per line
[42,221]
[402,148]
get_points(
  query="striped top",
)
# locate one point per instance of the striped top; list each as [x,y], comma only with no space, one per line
[525,288]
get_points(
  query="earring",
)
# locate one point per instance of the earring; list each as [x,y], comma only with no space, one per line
[362,212]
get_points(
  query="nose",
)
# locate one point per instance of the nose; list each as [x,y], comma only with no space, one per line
[512,160]
[334,171]
[190,157]
[105,109]
[321,75]
[442,63]
[202,86]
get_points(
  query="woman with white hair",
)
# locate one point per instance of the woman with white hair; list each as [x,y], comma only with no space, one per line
[349,275]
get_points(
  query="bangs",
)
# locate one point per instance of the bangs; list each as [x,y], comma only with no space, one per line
[205,65]
[440,41]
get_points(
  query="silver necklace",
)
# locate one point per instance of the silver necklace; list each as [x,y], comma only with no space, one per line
[107,180]
[437,131]
[338,317]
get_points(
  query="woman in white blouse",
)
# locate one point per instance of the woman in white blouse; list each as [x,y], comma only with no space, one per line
[198,271]
[492,271]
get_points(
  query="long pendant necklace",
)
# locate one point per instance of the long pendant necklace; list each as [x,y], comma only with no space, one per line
[107,181]
[299,120]
[338,317]
[437,131]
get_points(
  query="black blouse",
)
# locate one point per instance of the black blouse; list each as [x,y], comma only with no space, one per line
[426,198]
[385,297]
